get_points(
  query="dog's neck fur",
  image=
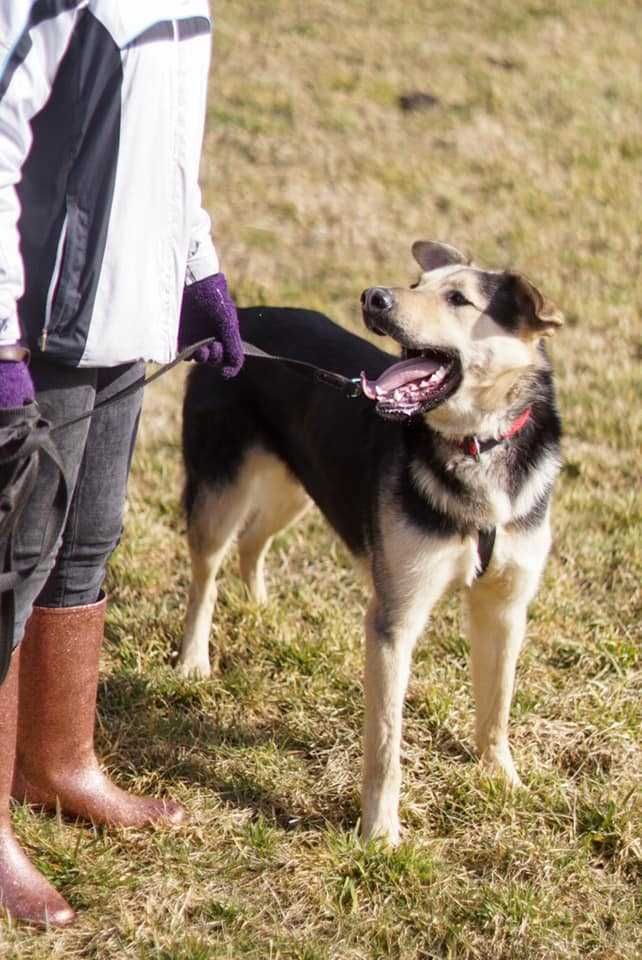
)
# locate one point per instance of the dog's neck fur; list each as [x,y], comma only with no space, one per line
[511,483]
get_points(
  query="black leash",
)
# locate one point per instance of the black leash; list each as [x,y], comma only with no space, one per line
[25,438]
[349,386]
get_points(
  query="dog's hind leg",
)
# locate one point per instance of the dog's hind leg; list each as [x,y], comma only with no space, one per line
[277,501]
[215,518]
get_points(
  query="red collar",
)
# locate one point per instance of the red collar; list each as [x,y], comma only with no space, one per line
[473,446]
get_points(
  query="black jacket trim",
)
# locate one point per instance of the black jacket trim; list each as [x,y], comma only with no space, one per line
[164,30]
[82,147]
[193,27]
[159,31]
[41,10]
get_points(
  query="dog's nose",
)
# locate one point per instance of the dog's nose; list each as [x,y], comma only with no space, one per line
[377,299]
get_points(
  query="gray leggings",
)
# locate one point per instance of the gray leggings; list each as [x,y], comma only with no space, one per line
[96,455]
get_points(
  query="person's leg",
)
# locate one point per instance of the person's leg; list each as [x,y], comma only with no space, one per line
[56,763]
[62,393]
[95,519]
[24,893]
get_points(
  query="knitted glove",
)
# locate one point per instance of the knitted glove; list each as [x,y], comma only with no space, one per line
[208,311]
[16,385]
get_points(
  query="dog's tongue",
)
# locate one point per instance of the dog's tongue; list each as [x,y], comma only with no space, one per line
[398,375]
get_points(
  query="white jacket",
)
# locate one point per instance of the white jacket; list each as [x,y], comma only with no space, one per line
[102,106]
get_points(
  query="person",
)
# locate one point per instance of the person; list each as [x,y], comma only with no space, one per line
[106,261]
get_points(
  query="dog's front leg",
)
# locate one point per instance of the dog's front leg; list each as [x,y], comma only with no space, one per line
[497,607]
[496,637]
[387,668]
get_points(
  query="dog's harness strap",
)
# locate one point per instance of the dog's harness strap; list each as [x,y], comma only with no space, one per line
[485,544]
[474,447]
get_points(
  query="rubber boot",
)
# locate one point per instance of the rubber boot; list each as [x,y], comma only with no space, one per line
[24,893]
[56,765]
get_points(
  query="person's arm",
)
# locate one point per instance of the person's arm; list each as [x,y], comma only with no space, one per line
[207,309]
[202,258]
[32,44]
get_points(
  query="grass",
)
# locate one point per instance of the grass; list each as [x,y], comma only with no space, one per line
[530,156]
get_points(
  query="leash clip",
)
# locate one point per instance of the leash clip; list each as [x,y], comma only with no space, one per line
[355,390]
[349,386]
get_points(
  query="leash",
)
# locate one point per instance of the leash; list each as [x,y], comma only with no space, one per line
[25,438]
[349,386]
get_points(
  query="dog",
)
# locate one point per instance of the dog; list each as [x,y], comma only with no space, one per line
[439,476]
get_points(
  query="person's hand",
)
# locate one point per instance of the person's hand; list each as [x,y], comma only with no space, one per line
[16,385]
[209,311]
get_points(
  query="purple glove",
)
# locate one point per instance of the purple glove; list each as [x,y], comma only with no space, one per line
[208,311]
[16,385]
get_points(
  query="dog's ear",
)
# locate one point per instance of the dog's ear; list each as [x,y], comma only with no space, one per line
[536,315]
[430,255]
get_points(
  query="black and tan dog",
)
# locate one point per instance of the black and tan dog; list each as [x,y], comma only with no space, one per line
[444,466]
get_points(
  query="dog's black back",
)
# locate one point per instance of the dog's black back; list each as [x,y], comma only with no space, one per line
[270,404]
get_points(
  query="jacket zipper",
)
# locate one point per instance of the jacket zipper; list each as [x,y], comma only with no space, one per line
[55,277]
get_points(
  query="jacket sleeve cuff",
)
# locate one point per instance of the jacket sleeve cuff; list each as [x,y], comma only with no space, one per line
[202,261]
[10,331]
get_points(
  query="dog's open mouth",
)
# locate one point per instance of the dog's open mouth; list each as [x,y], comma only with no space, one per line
[417,384]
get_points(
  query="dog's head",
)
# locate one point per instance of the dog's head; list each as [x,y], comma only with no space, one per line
[469,337]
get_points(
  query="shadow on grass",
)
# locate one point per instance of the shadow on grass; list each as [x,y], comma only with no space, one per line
[158,745]
[447,744]
[247,794]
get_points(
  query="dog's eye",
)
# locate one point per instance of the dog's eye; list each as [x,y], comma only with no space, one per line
[456,298]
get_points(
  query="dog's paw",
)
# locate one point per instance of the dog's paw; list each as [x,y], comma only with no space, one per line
[257,593]
[385,829]
[499,763]
[194,669]
[255,584]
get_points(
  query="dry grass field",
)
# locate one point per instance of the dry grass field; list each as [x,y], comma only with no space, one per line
[529,155]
